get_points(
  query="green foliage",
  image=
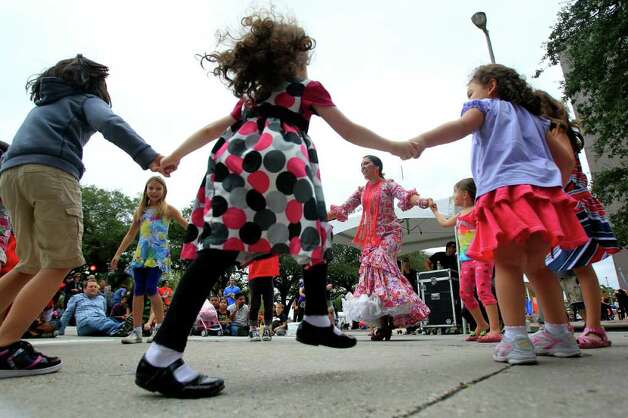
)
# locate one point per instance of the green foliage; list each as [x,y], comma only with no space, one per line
[592,36]
[107,216]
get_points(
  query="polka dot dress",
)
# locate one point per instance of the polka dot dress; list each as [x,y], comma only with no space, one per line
[262,191]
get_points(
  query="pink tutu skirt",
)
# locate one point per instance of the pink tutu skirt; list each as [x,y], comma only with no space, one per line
[513,213]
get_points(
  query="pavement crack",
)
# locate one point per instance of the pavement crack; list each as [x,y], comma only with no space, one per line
[451,392]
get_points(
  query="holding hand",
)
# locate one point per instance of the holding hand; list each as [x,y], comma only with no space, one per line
[154,165]
[169,164]
[114,263]
[404,150]
[419,145]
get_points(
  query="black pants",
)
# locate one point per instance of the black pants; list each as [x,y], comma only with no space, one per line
[261,287]
[200,278]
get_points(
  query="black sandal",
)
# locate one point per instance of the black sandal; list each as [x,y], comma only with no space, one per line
[162,380]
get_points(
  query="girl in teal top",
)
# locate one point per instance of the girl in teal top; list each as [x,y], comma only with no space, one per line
[152,255]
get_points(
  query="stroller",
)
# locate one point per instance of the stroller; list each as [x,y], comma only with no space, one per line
[207,321]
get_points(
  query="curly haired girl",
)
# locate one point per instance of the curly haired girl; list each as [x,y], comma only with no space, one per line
[262,192]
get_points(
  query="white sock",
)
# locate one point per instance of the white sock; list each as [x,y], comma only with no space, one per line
[160,356]
[317,320]
[137,331]
[337,331]
[512,332]
[557,329]
[185,374]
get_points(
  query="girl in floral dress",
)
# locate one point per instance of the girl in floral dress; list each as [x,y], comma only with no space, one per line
[383,296]
[152,255]
[261,194]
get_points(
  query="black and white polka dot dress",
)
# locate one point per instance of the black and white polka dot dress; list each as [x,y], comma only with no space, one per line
[262,191]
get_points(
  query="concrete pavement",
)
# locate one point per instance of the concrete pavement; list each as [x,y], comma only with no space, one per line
[410,376]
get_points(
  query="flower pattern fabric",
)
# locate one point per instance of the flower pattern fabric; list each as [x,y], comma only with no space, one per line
[153,249]
[382,288]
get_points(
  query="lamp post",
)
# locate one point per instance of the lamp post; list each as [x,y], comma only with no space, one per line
[479,20]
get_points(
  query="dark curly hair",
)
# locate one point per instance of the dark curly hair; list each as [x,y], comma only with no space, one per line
[510,86]
[79,72]
[557,113]
[271,51]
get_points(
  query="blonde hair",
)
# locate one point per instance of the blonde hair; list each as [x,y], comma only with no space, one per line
[162,207]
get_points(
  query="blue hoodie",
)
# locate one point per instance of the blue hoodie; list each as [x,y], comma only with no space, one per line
[56,130]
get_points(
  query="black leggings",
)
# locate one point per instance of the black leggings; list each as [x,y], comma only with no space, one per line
[261,287]
[200,278]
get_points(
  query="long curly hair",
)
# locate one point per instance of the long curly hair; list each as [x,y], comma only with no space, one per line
[557,113]
[270,51]
[510,86]
[79,72]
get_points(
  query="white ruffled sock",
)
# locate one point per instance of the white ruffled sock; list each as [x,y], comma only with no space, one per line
[321,321]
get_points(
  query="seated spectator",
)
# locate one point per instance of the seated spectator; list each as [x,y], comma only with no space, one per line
[280,320]
[91,317]
[224,316]
[215,301]
[121,291]
[120,311]
[239,314]
[231,292]
[165,292]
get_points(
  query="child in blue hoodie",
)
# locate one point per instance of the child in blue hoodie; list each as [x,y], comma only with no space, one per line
[39,184]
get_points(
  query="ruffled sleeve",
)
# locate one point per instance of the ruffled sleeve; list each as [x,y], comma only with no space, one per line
[342,212]
[315,95]
[483,106]
[236,113]
[401,194]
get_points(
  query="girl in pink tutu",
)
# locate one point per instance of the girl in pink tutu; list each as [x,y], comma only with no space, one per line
[383,296]
[521,209]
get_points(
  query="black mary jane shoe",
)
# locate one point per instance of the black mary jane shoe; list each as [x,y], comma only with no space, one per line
[162,380]
[309,334]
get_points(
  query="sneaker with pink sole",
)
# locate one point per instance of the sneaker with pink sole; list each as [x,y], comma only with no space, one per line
[518,350]
[546,344]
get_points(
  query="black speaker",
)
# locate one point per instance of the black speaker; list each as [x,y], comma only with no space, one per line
[440,292]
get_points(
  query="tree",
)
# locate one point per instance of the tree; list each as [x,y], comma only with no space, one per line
[107,216]
[592,36]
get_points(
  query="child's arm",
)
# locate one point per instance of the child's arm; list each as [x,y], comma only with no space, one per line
[126,241]
[562,153]
[173,213]
[361,136]
[440,218]
[197,140]
[101,118]
[450,131]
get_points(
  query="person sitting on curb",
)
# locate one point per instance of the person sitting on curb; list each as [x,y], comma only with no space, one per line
[91,317]
[239,316]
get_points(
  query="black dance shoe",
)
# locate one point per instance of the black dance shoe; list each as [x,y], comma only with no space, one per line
[162,380]
[309,334]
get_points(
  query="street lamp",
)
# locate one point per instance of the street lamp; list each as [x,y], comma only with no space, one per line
[479,20]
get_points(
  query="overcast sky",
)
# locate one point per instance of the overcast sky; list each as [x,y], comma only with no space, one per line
[398,67]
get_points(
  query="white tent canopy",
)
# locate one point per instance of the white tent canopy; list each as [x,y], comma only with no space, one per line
[420,229]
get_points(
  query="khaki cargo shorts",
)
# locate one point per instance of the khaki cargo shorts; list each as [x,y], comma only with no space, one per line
[45,207]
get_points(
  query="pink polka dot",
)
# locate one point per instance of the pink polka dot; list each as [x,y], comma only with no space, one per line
[294,211]
[197,217]
[295,246]
[200,195]
[248,128]
[304,152]
[234,218]
[317,255]
[296,166]
[288,128]
[222,150]
[234,163]
[259,180]
[233,244]
[264,141]
[284,99]
[261,246]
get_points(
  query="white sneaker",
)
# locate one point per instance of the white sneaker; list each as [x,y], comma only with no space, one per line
[254,336]
[132,338]
[546,344]
[518,350]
